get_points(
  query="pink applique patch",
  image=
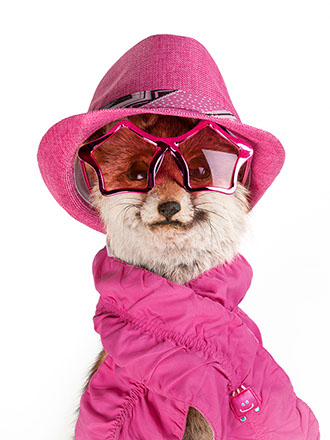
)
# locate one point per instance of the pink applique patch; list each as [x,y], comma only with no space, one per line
[242,402]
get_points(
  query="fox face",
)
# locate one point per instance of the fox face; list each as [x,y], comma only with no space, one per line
[169,231]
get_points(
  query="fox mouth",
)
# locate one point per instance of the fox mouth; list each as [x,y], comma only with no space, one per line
[199,216]
[168,222]
[173,224]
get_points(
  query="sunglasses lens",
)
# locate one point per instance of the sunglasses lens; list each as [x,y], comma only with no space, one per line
[123,160]
[211,159]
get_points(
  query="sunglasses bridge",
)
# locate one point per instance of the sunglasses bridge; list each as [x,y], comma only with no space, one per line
[177,156]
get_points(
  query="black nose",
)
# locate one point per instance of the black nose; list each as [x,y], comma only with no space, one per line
[168,209]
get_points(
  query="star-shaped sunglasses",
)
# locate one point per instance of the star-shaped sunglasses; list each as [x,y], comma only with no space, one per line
[209,158]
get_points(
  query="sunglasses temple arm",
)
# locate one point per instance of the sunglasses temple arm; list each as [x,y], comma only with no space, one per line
[246,172]
[84,172]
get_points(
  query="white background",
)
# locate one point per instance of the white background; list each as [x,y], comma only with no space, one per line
[274,57]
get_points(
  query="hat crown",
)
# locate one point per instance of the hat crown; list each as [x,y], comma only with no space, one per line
[180,66]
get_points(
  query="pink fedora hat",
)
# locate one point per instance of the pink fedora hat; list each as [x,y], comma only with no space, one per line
[164,74]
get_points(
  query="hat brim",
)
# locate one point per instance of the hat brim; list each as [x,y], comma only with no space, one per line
[58,148]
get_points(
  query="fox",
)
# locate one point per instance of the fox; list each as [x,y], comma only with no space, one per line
[168,231]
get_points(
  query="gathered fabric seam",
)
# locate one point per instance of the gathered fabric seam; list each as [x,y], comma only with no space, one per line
[188,342]
[135,394]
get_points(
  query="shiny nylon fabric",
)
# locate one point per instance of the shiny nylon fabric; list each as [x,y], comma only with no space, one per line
[170,347]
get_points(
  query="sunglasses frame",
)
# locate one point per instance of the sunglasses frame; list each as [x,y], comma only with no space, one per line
[171,144]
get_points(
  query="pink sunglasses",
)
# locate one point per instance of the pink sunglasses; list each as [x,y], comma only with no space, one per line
[214,166]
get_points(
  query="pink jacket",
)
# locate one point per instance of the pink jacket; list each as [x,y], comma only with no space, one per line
[170,347]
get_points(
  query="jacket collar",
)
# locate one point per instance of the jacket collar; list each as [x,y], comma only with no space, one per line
[226,283]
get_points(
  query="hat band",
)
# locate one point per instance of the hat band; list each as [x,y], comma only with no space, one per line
[175,99]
